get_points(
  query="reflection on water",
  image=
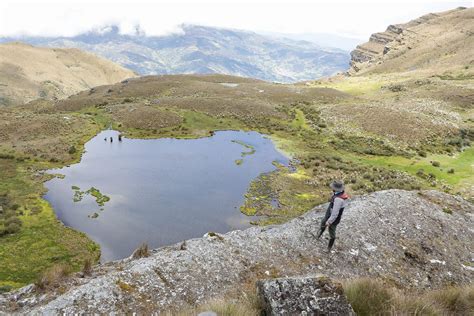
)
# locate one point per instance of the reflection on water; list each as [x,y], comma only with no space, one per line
[161,191]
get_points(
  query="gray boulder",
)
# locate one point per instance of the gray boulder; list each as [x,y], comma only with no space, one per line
[303,296]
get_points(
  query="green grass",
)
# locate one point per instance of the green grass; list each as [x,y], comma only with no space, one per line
[462,163]
[299,122]
[42,242]
[194,125]
[356,86]
[200,121]
[297,128]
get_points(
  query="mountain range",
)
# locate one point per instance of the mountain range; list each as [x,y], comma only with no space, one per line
[206,50]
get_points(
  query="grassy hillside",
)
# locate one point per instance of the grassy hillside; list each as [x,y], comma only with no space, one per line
[436,43]
[366,134]
[377,130]
[28,73]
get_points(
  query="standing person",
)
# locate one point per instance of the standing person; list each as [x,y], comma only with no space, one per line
[338,202]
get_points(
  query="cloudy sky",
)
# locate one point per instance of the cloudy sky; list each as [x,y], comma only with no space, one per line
[356,19]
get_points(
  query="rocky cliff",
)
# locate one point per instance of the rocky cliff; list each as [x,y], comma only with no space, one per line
[409,238]
[438,42]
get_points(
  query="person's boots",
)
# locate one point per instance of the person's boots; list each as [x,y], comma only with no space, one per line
[320,233]
[331,243]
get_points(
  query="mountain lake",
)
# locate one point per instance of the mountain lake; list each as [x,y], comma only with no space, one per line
[159,191]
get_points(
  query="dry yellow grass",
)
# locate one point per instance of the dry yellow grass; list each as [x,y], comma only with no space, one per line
[434,44]
[28,72]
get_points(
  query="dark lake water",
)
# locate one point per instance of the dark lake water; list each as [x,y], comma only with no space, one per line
[161,191]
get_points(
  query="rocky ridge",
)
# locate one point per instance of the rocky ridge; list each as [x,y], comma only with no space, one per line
[436,40]
[409,238]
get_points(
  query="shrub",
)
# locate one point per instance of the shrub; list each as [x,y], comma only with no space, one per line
[72,150]
[422,153]
[141,252]
[12,228]
[435,164]
[451,170]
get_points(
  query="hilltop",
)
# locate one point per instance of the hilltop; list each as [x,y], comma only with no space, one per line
[436,43]
[207,50]
[28,72]
[426,247]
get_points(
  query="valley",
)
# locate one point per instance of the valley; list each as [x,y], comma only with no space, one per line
[300,120]
[404,131]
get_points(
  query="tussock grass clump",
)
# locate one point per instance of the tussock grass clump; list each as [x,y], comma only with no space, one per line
[87,267]
[52,277]
[374,297]
[222,307]
[368,296]
[141,252]
[454,300]
[247,303]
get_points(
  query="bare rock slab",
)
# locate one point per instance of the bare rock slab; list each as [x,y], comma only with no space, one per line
[303,296]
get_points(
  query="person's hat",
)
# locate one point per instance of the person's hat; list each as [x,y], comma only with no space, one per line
[337,186]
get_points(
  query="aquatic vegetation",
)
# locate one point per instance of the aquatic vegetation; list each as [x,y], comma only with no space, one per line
[251,151]
[250,147]
[100,198]
[78,195]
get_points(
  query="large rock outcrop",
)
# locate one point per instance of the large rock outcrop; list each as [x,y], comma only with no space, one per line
[303,296]
[434,42]
[413,239]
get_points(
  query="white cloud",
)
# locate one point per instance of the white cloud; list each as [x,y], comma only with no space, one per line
[70,17]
